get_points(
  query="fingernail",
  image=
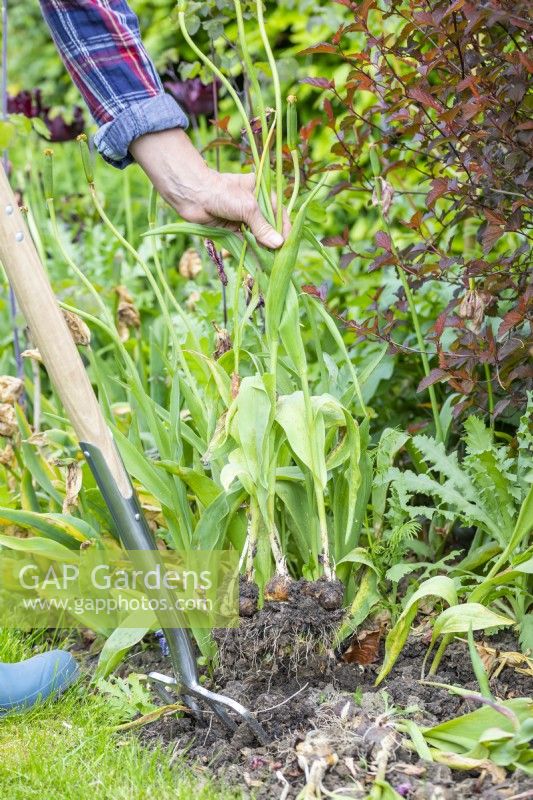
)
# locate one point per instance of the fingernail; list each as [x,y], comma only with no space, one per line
[275,239]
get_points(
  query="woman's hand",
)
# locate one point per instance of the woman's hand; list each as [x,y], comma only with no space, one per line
[200,194]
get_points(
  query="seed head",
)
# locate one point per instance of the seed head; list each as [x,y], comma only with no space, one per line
[77,327]
[10,389]
[190,264]
[472,307]
[127,314]
[8,420]
[222,341]
[217,260]
[7,455]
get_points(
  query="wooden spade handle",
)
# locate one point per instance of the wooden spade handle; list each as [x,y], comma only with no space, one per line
[51,335]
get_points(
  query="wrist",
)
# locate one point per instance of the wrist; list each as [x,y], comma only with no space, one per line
[173,164]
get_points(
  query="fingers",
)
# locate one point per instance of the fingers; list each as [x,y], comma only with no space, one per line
[246,208]
[247,181]
[261,229]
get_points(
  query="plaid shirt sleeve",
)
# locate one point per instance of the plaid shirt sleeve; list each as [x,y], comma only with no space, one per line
[100,44]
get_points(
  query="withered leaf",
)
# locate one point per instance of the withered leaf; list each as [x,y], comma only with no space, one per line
[127,314]
[11,389]
[190,264]
[364,648]
[78,329]
[33,354]
[72,486]
[8,420]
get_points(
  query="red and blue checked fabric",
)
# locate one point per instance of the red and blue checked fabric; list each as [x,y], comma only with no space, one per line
[100,44]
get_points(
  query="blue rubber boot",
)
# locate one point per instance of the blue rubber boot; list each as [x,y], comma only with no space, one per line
[27,683]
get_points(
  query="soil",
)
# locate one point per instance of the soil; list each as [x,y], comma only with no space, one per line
[327,722]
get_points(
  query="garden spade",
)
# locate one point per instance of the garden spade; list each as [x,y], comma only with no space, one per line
[59,354]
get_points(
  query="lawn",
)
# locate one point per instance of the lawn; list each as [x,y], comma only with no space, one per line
[69,750]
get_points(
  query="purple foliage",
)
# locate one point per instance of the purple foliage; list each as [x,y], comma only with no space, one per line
[30,104]
[195,97]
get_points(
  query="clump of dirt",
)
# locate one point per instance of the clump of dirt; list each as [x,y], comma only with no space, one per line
[292,638]
[329,726]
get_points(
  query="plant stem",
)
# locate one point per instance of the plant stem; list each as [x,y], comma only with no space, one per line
[296,186]
[253,525]
[490,395]
[127,204]
[324,557]
[36,370]
[161,273]
[316,341]
[279,118]
[446,640]
[156,290]
[421,346]
[73,266]
[376,168]
[236,325]
[252,76]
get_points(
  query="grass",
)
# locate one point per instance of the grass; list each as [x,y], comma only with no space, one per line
[68,750]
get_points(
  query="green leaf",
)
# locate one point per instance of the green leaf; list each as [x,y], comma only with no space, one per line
[478,437]
[308,446]
[205,489]
[28,497]
[299,513]
[39,546]
[390,443]
[526,634]
[462,618]
[365,600]
[137,464]
[41,471]
[399,571]
[418,739]
[63,528]
[250,425]
[386,792]
[462,734]
[119,643]
[210,532]
[439,586]
[359,556]
[478,666]
[283,268]
[291,334]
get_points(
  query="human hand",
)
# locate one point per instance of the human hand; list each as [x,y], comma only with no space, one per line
[200,194]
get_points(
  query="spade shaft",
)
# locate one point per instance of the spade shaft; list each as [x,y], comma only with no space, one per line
[63,363]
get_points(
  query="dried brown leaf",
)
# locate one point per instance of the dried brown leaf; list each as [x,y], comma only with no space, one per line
[190,264]
[8,420]
[33,354]
[363,648]
[127,314]
[77,327]
[11,389]
[72,486]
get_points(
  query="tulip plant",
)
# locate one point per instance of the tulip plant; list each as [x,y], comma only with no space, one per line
[254,444]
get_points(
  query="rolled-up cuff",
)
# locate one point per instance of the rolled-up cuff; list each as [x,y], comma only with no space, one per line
[158,113]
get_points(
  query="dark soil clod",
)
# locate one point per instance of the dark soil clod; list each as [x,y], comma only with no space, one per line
[320,711]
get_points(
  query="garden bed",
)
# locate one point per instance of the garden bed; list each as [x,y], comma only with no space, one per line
[327,721]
